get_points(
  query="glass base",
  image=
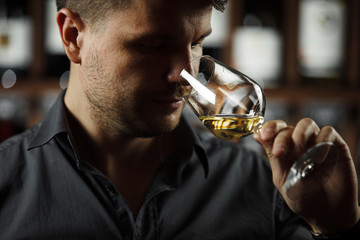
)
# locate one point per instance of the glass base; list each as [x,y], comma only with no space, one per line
[311,171]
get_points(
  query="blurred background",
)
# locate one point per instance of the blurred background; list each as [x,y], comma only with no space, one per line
[305,53]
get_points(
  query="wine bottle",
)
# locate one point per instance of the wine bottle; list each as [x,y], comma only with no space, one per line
[15,37]
[258,43]
[321,51]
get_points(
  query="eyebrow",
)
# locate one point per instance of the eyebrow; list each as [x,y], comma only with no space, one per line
[208,33]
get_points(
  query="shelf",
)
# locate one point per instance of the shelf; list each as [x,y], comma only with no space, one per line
[32,87]
[307,94]
[292,91]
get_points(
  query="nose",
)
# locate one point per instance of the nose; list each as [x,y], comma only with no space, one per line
[178,63]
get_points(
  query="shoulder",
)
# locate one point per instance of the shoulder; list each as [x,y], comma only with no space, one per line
[250,153]
[18,142]
[14,152]
[241,163]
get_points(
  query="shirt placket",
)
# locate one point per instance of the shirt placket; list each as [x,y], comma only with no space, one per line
[122,213]
[147,223]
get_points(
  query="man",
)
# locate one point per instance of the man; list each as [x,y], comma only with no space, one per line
[114,159]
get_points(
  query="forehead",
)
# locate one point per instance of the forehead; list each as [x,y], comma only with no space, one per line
[165,16]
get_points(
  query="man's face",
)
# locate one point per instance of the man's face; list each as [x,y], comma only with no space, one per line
[130,66]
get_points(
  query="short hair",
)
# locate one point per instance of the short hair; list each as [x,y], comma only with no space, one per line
[219,4]
[95,10]
[92,10]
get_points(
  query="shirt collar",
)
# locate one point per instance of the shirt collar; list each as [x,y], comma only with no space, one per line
[187,138]
[53,124]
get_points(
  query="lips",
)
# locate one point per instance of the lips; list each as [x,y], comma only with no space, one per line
[168,102]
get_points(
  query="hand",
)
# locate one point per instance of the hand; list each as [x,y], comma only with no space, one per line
[335,207]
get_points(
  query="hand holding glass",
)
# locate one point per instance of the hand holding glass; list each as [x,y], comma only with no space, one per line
[232,105]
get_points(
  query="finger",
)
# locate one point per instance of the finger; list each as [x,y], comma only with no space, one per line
[304,133]
[268,132]
[329,134]
[326,134]
[283,142]
[279,157]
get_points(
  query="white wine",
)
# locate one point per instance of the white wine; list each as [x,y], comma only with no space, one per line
[231,127]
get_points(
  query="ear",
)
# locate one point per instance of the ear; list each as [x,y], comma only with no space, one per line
[71,26]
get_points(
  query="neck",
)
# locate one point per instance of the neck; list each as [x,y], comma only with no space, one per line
[130,163]
[106,151]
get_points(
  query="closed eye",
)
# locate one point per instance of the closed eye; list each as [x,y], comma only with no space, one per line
[200,40]
[152,45]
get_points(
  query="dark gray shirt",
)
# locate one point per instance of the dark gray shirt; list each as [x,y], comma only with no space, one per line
[209,189]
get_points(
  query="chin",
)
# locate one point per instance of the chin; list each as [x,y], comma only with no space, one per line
[168,125]
[162,125]
[154,123]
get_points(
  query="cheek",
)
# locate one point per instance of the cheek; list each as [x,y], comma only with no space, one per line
[137,74]
[124,73]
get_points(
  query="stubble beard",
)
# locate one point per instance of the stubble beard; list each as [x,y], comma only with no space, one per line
[108,106]
[120,125]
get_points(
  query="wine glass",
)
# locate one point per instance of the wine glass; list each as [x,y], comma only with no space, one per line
[232,105]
